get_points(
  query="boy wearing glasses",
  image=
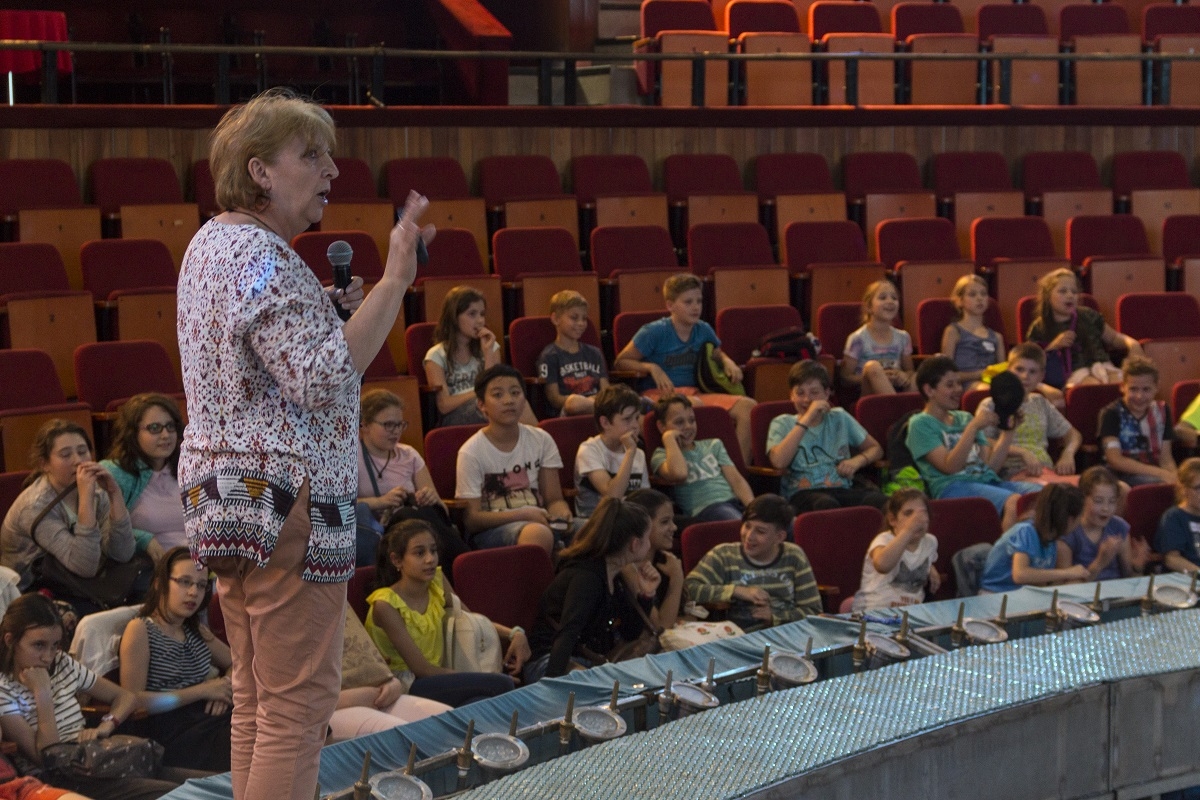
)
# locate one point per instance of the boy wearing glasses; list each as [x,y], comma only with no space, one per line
[1135,432]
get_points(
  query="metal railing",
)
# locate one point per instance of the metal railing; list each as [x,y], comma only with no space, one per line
[548,62]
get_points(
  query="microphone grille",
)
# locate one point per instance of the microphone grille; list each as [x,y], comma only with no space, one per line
[340,253]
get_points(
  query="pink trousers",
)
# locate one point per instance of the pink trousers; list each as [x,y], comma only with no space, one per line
[286,638]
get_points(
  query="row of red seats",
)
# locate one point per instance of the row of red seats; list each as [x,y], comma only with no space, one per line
[835,26]
[527,190]
[1152,18]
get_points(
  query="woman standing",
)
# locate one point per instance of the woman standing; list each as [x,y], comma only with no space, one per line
[267,468]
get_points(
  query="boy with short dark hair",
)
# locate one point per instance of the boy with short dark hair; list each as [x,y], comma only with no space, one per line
[1135,432]
[611,463]
[821,448]
[508,472]
[669,348]
[708,487]
[952,454]
[572,369]
[765,579]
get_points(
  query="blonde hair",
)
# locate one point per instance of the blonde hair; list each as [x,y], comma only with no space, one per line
[261,129]
[869,296]
[960,289]
[457,301]
[566,300]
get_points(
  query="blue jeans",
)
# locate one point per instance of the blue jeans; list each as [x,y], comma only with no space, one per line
[1137,478]
[507,534]
[500,536]
[718,512]
[995,493]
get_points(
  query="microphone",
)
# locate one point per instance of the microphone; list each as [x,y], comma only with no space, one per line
[339,254]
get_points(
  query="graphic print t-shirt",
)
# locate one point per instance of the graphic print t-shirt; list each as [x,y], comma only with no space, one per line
[503,481]
[575,373]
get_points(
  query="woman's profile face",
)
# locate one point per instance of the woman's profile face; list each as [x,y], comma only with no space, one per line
[297,182]
[67,451]
[157,437]
[37,647]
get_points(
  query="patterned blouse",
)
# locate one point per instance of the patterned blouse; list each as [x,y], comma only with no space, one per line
[272,399]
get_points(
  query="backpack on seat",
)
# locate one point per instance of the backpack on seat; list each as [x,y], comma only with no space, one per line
[902,470]
[790,344]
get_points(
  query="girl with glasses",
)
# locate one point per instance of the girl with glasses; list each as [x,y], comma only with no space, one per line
[394,483]
[144,461]
[166,658]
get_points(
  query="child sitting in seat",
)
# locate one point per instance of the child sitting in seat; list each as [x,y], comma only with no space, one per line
[1135,432]
[462,348]
[1178,537]
[820,448]
[1101,541]
[611,463]
[952,454]
[1027,553]
[1074,336]
[765,579]
[900,560]
[878,356]
[708,487]
[1029,455]
[507,472]
[669,349]
[972,344]
[574,371]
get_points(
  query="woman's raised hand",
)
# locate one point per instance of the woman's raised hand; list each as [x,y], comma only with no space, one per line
[402,243]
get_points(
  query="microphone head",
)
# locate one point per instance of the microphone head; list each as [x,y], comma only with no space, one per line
[340,253]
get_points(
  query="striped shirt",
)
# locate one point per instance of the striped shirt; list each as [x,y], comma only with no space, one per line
[68,678]
[788,580]
[174,664]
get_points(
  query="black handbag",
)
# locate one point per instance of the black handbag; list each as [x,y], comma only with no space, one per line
[108,588]
[118,756]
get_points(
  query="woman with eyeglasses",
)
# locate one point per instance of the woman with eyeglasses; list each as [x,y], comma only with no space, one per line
[144,461]
[167,656]
[394,483]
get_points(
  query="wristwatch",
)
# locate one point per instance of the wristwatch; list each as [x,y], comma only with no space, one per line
[515,629]
[110,718]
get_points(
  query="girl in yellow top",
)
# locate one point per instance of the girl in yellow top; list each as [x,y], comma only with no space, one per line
[405,618]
